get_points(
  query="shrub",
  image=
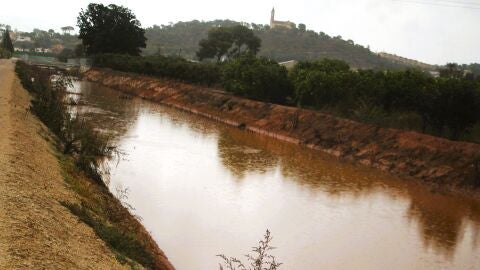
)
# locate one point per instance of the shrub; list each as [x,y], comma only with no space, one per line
[256,78]
[75,136]
[65,54]
[447,106]
[162,66]
[5,54]
[260,259]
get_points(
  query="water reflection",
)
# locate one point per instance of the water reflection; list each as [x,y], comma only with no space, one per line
[241,159]
[440,218]
[203,188]
[104,108]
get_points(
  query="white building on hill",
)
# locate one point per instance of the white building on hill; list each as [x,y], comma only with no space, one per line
[284,24]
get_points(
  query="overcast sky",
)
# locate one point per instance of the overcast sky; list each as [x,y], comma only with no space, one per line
[432,31]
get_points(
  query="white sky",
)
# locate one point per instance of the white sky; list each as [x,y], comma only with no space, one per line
[435,32]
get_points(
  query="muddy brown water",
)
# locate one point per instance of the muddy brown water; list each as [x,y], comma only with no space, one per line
[202,188]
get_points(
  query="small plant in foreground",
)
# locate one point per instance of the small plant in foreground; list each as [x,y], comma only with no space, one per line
[259,260]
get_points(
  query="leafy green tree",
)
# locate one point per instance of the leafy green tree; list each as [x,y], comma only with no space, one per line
[302,27]
[65,54]
[7,42]
[217,44]
[451,70]
[325,65]
[110,29]
[228,42]
[320,83]
[403,88]
[79,50]
[256,78]
[458,100]
[67,29]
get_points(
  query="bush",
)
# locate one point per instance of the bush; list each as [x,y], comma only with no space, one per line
[162,66]
[65,54]
[447,106]
[256,78]
[260,259]
[76,137]
[5,54]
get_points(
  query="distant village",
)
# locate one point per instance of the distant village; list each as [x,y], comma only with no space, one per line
[40,41]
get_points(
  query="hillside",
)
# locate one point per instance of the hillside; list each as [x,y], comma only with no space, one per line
[279,44]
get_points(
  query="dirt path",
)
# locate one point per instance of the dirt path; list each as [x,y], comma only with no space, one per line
[36,231]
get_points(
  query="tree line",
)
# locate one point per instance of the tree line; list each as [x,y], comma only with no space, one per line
[447,106]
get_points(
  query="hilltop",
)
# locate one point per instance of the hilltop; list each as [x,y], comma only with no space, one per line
[280,44]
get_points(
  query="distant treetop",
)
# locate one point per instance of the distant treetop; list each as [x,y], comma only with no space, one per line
[228,42]
[7,42]
[110,29]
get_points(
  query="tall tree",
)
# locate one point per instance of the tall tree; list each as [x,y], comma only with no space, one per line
[7,42]
[228,42]
[67,29]
[302,27]
[110,29]
[451,70]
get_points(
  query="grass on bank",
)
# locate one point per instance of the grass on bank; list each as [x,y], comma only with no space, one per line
[82,151]
[109,219]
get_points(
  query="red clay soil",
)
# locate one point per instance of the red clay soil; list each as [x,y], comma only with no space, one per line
[409,154]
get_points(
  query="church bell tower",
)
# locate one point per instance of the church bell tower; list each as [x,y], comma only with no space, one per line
[272,17]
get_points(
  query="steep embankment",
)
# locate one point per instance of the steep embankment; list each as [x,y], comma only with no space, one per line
[423,157]
[36,230]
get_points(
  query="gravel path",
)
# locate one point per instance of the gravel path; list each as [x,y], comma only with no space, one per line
[36,231]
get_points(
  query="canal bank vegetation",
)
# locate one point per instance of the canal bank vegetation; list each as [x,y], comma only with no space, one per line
[81,150]
[448,106]
[75,136]
[163,67]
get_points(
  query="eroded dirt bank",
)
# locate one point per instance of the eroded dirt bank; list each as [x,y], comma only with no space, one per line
[36,230]
[409,154]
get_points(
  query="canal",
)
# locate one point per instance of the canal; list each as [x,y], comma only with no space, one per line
[202,188]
